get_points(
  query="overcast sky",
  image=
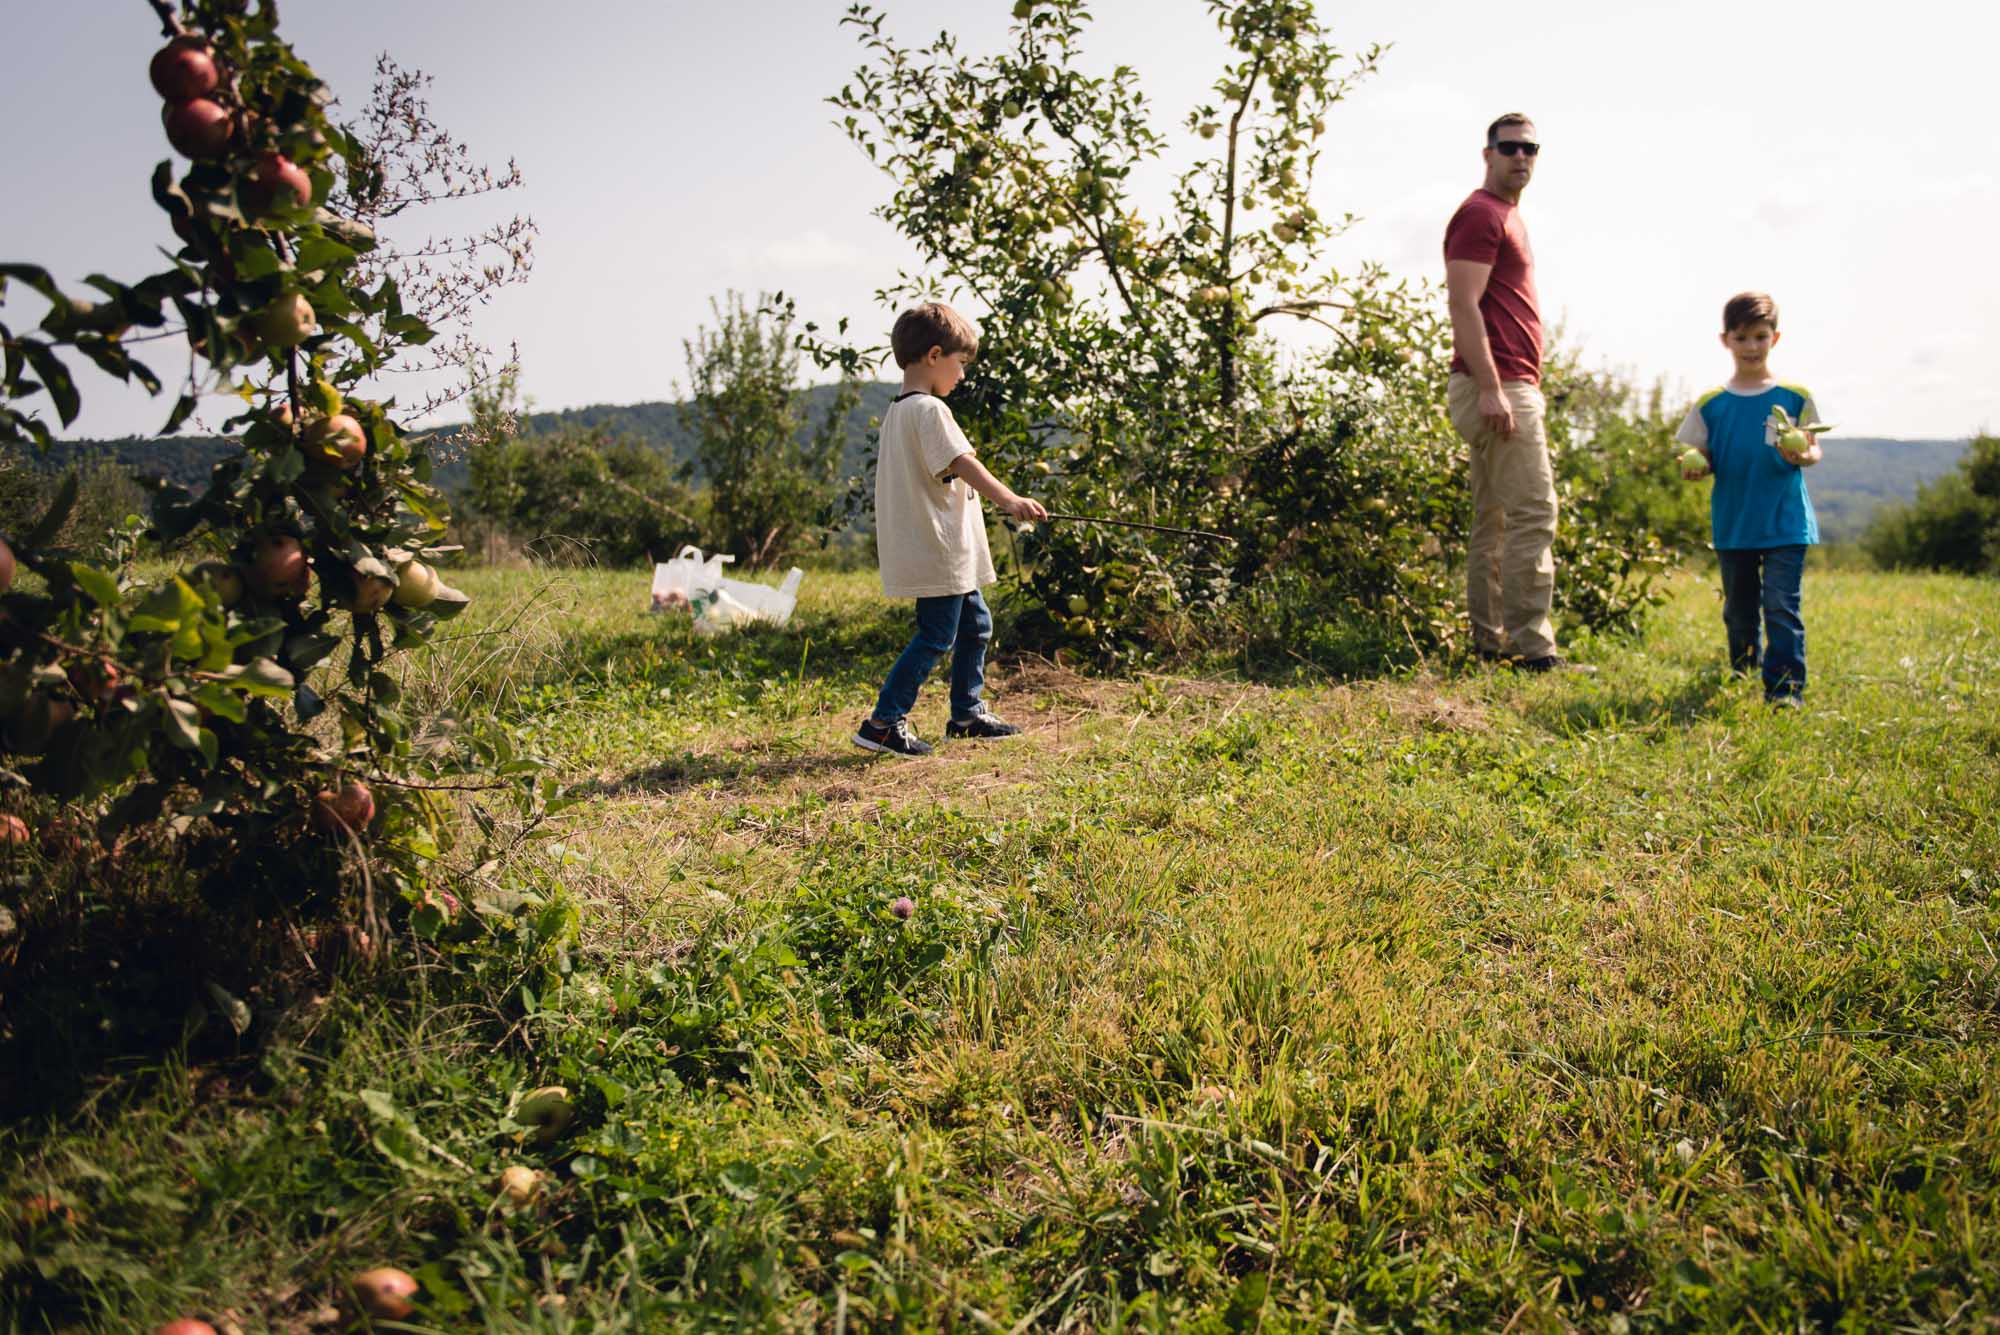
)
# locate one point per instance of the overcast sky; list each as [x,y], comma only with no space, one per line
[1841,157]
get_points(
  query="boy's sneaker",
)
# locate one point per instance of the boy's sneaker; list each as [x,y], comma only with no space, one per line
[896,739]
[1784,701]
[981,726]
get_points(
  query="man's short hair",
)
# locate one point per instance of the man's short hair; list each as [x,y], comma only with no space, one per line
[1511,118]
[1748,308]
[932,325]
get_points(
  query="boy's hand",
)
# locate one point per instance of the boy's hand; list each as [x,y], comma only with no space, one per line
[1025,507]
[1801,458]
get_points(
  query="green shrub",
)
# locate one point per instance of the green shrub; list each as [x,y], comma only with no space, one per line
[1954,523]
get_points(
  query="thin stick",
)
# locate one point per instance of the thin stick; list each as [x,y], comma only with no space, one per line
[1155,528]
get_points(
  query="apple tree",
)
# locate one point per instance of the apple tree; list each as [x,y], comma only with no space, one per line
[248,697]
[1128,355]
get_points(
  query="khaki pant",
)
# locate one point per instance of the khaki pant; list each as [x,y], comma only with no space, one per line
[1510,574]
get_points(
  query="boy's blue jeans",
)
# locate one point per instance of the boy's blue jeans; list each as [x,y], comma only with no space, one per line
[959,624]
[1766,582]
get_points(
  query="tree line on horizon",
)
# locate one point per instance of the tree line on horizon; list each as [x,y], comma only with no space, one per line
[629,482]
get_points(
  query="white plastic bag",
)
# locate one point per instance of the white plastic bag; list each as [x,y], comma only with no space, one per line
[716,611]
[765,602]
[676,582]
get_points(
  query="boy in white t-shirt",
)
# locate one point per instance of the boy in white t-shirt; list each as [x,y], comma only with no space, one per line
[930,533]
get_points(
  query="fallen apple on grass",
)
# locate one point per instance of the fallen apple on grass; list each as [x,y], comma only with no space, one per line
[385,1292]
[520,1184]
[547,1110]
[186,1325]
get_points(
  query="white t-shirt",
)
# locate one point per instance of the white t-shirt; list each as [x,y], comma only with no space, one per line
[930,531]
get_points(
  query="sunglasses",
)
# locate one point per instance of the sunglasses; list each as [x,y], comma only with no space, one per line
[1509,147]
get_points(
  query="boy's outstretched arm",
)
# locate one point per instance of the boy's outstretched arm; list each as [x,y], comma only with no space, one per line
[993,489]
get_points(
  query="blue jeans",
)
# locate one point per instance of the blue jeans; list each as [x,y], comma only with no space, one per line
[1766,582]
[960,625]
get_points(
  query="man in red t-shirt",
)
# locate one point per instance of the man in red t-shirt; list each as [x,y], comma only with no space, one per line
[1496,404]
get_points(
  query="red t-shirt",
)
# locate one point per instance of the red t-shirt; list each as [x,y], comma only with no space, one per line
[1488,230]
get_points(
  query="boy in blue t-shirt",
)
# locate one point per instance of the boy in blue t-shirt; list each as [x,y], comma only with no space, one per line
[1760,515]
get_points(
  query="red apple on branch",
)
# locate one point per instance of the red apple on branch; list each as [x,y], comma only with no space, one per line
[287,322]
[184,69]
[6,566]
[276,176]
[347,811]
[278,569]
[340,440]
[226,579]
[371,595]
[13,830]
[416,585]
[198,128]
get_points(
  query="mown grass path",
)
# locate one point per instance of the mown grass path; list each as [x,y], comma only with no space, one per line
[1454,1001]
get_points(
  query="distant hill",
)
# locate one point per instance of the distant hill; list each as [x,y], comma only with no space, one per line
[188,459]
[1857,476]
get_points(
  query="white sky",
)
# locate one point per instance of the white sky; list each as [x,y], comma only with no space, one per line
[1840,156]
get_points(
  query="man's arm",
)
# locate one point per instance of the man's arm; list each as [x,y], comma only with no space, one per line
[967,466]
[1466,281]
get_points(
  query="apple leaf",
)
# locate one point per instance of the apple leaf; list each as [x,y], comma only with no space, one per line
[232,1009]
[102,588]
[184,725]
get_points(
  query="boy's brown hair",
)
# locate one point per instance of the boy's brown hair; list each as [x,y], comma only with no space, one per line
[1748,308]
[931,325]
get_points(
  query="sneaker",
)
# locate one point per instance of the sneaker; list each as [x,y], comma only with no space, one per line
[1784,702]
[983,726]
[1552,663]
[1490,655]
[896,739]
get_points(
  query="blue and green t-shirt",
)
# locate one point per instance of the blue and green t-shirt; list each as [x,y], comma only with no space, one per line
[1760,496]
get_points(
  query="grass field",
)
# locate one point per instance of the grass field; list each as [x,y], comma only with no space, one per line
[1458,1000]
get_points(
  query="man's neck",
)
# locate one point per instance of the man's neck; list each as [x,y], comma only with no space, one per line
[1511,196]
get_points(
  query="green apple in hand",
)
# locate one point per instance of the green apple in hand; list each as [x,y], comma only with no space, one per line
[1796,437]
[1693,460]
